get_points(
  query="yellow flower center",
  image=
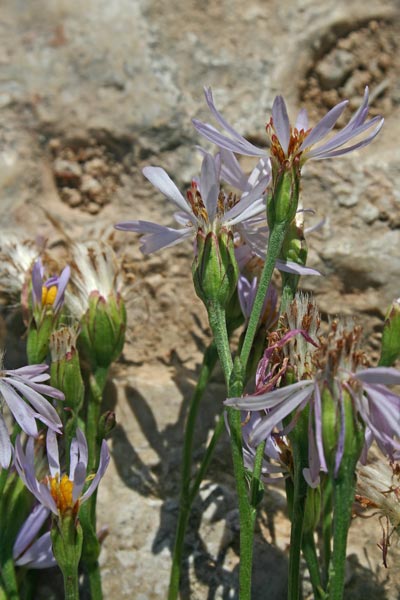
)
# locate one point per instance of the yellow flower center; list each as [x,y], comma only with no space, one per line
[61,491]
[49,295]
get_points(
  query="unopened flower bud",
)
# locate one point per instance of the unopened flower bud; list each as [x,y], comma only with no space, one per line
[65,367]
[103,328]
[215,271]
[391,336]
[283,202]
[107,424]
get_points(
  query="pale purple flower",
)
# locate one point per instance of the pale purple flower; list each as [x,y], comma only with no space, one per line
[206,206]
[30,551]
[376,405]
[23,391]
[55,491]
[48,292]
[300,141]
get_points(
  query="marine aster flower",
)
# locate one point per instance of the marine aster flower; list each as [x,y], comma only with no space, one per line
[31,552]
[60,493]
[299,142]
[339,365]
[205,207]
[23,391]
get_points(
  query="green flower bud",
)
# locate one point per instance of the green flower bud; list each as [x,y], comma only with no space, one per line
[106,424]
[65,367]
[215,271]
[103,328]
[390,351]
[282,203]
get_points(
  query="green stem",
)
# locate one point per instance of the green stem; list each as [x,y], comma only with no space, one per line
[327,491]
[275,242]
[235,387]
[310,555]
[246,512]
[343,497]
[298,439]
[9,577]
[290,283]
[71,585]
[93,572]
[187,496]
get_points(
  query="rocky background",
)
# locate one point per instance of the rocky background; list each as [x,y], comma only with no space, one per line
[90,92]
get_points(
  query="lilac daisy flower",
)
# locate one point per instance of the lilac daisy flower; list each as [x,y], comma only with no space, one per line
[23,391]
[247,291]
[50,292]
[32,552]
[60,493]
[338,367]
[205,207]
[300,142]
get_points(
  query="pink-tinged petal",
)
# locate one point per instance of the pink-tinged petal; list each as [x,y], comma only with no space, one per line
[324,126]
[21,411]
[103,464]
[280,122]
[42,405]
[39,555]
[37,282]
[30,529]
[379,375]
[302,123]
[52,453]
[5,445]
[162,181]
[270,399]
[62,284]
[209,185]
